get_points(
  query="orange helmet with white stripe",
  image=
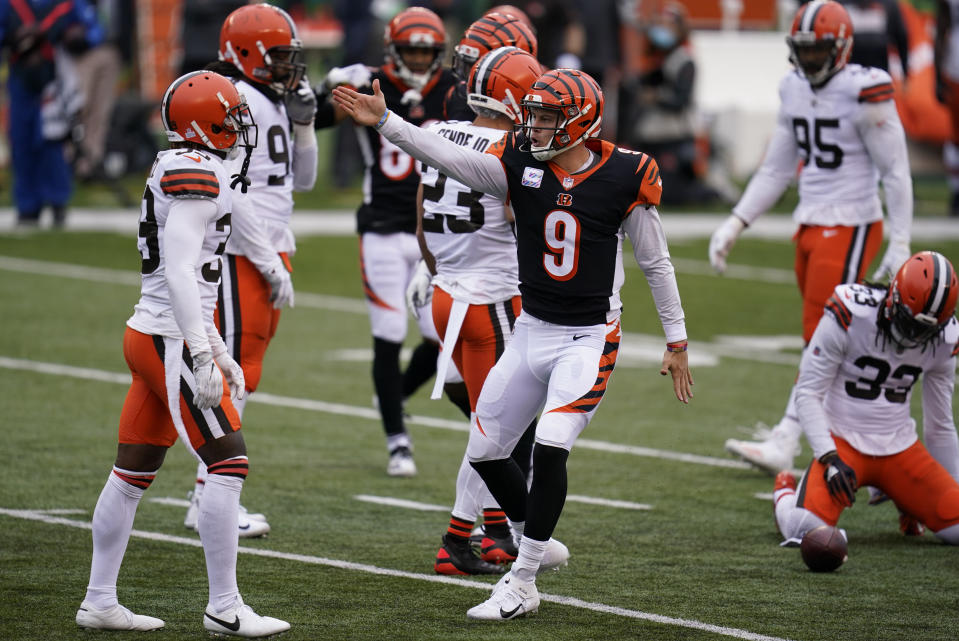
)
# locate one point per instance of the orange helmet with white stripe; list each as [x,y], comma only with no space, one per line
[204,108]
[577,102]
[260,40]
[820,40]
[921,299]
[500,80]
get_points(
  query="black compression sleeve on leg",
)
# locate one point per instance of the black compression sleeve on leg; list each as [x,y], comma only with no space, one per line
[421,367]
[547,495]
[387,381]
[507,485]
[458,396]
[523,452]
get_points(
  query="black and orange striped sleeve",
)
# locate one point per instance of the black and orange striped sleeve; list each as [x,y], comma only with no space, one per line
[190,183]
[651,184]
[498,148]
[840,312]
[876,93]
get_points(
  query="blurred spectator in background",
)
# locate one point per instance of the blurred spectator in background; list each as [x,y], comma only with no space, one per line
[98,68]
[947,89]
[557,27]
[601,48]
[200,30]
[878,24]
[44,98]
[661,119]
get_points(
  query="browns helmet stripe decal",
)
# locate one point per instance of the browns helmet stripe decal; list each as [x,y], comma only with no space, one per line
[941,280]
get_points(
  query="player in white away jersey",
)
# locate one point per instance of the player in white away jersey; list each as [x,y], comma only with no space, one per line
[260,51]
[469,245]
[840,122]
[574,198]
[176,355]
[855,383]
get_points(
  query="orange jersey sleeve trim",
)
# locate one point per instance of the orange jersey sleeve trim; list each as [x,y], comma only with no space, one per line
[190,182]
[839,310]
[877,93]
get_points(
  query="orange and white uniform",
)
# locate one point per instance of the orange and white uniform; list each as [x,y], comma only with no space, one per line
[848,137]
[185,222]
[853,396]
[283,161]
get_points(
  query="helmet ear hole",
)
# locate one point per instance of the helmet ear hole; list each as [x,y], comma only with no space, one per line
[216,128]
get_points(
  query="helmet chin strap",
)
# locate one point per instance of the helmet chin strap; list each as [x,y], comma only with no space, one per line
[241,178]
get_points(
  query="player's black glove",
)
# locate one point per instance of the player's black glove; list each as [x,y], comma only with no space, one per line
[840,478]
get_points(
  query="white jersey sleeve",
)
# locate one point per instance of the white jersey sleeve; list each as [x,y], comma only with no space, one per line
[938,386]
[479,170]
[270,170]
[195,184]
[885,139]
[466,230]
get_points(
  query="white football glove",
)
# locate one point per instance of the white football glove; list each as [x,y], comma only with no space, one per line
[281,285]
[896,254]
[723,240]
[209,381]
[233,374]
[301,103]
[419,292]
[356,76]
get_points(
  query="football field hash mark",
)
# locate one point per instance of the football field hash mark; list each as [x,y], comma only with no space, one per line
[39,515]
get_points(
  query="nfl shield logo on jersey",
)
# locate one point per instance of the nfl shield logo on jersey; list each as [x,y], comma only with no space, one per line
[532,177]
[567,183]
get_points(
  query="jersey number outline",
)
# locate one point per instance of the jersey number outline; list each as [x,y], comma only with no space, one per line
[395,163]
[869,389]
[210,273]
[456,224]
[829,155]
[561,234]
[279,151]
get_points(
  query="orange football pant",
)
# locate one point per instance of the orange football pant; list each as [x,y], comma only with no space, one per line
[827,257]
[146,418]
[483,337]
[248,322]
[912,478]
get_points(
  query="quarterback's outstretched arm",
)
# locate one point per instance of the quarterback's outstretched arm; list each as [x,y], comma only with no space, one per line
[480,171]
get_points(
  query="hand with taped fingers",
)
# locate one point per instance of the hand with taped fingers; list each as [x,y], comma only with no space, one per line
[365,109]
[676,362]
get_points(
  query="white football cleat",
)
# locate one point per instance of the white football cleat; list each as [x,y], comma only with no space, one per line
[401,463]
[115,618]
[555,557]
[772,453]
[192,511]
[242,621]
[511,598]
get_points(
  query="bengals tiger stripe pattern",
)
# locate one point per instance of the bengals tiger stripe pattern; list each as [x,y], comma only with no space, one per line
[190,183]
[590,400]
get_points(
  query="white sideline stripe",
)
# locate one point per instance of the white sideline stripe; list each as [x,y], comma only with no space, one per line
[34,515]
[393,502]
[169,500]
[369,413]
[430,507]
[592,500]
[764,496]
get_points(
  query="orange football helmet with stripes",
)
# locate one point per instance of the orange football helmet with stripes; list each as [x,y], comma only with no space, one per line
[415,28]
[577,102]
[820,40]
[490,32]
[261,41]
[205,109]
[514,12]
[500,80]
[921,299]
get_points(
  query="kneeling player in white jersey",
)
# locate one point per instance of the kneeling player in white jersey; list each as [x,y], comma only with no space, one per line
[260,51]
[176,356]
[468,241]
[574,198]
[855,383]
[840,122]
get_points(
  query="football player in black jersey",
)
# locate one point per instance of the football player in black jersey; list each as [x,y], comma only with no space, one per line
[573,198]
[414,85]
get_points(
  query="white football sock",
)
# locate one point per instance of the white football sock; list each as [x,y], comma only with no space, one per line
[240,403]
[527,562]
[112,524]
[218,526]
[517,528]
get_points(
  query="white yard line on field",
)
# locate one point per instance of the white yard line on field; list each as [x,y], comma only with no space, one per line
[34,515]
[368,413]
